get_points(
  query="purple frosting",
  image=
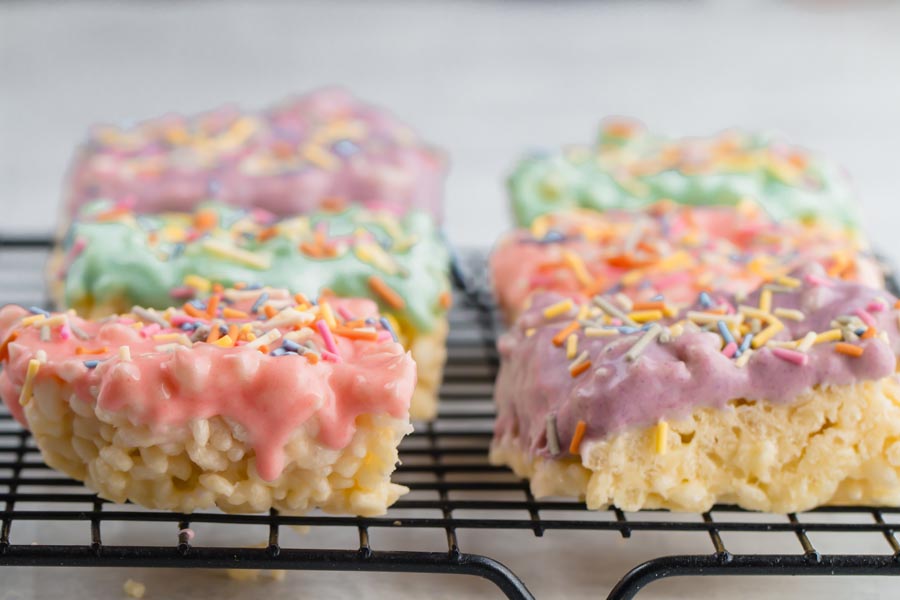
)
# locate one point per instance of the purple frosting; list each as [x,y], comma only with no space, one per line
[669,380]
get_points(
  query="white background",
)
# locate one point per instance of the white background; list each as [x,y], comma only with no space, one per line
[487,81]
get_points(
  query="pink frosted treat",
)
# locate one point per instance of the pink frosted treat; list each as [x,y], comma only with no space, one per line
[324,147]
[251,400]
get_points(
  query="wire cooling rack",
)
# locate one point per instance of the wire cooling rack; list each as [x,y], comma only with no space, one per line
[445,466]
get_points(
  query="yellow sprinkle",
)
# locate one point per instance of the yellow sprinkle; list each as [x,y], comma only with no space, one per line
[33,320]
[662,435]
[201,284]
[539,227]
[327,314]
[632,277]
[593,332]
[577,265]
[643,316]
[225,341]
[743,358]
[787,281]
[676,330]
[124,353]
[583,312]
[167,337]
[559,308]
[765,301]
[832,335]
[54,321]
[677,261]
[34,366]
[238,255]
[705,317]
[530,331]
[766,334]
[319,157]
[571,346]
[754,313]
[790,314]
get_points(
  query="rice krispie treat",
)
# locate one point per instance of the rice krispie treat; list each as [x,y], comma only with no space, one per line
[783,401]
[628,167]
[253,400]
[288,159]
[114,259]
[667,249]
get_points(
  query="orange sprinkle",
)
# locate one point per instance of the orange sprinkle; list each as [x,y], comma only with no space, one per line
[82,350]
[110,215]
[577,437]
[356,323]
[868,333]
[580,368]
[897,304]
[627,261]
[355,334]
[299,298]
[233,331]
[193,311]
[849,349]
[214,334]
[445,300]
[393,299]
[267,233]
[595,288]
[212,306]
[269,310]
[311,250]
[563,333]
[4,348]
[218,288]
[649,306]
[205,219]
[264,349]
[312,357]
[240,285]
[232,313]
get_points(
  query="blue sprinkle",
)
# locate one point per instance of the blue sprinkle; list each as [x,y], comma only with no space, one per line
[223,330]
[737,353]
[860,331]
[254,286]
[387,325]
[189,326]
[643,285]
[613,290]
[627,329]
[291,346]
[259,302]
[177,251]
[278,352]
[647,327]
[91,364]
[746,343]
[724,332]
[705,300]
[38,311]
[198,304]
[345,148]
[657,298]
[370,322]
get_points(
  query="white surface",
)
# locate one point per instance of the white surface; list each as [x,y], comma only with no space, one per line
[487,81]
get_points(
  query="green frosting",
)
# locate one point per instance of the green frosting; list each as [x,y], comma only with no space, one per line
[628,168]
[113,254]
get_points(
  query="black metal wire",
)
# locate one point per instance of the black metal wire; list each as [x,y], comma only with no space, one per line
[441,461]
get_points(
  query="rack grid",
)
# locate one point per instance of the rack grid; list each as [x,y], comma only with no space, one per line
[440,460]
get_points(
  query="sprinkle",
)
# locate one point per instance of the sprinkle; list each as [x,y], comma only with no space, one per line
[593,332]
[79,350]
[292,346]
[745,343]
[345,314]
[792,356]
[322,327]
[263,297]
[662,435]
[124,353]
[705,300]
[849,349]
[867,318]
[212,306]
[575,263]
[790,314]
[225,341]
[39,311]
[265,339]
[743,359]
[193,311]
[577,437]
[807,342]
[238,255]
[815,280]
[45,333]
[387,325]
[327,314]
[552,434]
[868,333]
[34,366]
[331,356]
[726,333]
[445,300]
[65,332]
[765,300]
[214,335]
[713,318]
[848,334]
[91,364]
[611,310]
[559,308]
[876,305]
[356,334]
[730,349]
[571,346]
[644,316]
[33,320]
[148,315]
[789,282]
[201,284]
[766,334]
[645,340]
[564,333]
[388,294]
[312,357]
[832,335]
[231,313]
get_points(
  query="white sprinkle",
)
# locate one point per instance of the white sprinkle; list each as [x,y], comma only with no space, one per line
[649,336]
[807,342]
[594,332]
[148,316]
[790,314]
[578,361]
[613,311]
[266,339]
[552,434]
[41,356]
[45,333]
[624,301]
[743,358]
[124,353]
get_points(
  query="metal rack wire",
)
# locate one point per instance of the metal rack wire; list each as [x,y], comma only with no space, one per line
[441,462]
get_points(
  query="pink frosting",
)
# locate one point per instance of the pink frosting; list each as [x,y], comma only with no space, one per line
[268,396]
[290,159]
[670,379]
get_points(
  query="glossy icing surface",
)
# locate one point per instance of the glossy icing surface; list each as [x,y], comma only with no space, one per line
[808,330]
[288,159]
[269,374]
[628,167]
[113,256]
[668,249]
